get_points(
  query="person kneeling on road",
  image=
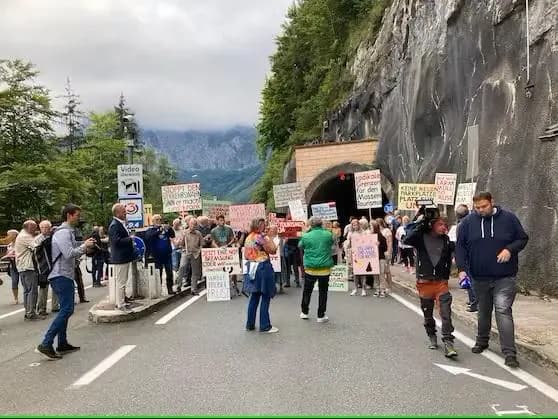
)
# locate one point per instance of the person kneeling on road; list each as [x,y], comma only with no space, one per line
[434,255]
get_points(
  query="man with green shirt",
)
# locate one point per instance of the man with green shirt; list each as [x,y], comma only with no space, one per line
[316,244]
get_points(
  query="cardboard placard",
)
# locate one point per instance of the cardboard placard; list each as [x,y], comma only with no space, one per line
[365,254]
[410,192]
[368,189]
[465,194]
[286,192]
[242,215]
[218,286]
[445,188]
[181,197]
[215,208]
[326,211]
[221,259]
[338,279]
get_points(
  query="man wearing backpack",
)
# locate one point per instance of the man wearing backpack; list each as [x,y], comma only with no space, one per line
[27,274]
[65,250]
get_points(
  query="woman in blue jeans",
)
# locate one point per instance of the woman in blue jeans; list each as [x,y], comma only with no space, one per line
[259,279]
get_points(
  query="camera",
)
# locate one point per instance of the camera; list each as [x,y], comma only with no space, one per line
[426,209]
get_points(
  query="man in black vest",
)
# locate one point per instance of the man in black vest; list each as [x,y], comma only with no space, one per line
[434,256]
[121,252]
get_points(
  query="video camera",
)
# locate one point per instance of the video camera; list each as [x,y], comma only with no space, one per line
[426,209]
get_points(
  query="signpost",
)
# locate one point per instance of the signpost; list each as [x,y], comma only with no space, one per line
[130,180]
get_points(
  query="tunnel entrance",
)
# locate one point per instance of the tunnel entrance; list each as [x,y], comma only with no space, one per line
[341,190]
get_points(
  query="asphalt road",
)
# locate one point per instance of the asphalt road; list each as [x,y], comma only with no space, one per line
[371,358]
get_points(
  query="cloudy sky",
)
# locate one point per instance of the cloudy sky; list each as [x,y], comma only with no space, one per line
[180,63]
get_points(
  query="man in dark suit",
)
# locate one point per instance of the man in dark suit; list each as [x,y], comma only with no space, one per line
[121,252]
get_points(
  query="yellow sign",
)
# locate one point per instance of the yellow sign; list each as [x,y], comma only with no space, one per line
[147,214]
[410,192]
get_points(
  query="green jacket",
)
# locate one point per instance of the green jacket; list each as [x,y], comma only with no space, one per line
[316,244]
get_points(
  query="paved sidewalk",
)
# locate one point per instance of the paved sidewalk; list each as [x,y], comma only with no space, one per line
[536,320]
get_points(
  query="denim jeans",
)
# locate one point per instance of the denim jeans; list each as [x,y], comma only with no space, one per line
[265,321]
[472,297]
[497,293]
[323,284]
[97,269]
[64,288]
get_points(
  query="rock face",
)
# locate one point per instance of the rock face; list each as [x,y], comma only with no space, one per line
[440,66]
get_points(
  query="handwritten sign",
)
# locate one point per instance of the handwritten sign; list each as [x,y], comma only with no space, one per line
[298,210]
[275,261]
[366,259]
[242,215]
[445,188]
[218,286]
[410,192]
[215,208]
[286,192]
[327,211]
[338,279]
[223,259]
[182,197]
[290,229]
[368,189]
[465,194]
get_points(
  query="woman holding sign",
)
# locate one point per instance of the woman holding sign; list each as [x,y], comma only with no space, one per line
[259,278]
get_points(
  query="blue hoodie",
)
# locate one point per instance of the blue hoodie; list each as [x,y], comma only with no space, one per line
[481,239]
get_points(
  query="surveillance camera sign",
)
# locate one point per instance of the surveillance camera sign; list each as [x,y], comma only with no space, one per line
[130,181]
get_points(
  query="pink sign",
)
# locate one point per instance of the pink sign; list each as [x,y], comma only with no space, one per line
[242,215]
[366,259]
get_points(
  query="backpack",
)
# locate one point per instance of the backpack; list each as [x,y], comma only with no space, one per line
[42,258]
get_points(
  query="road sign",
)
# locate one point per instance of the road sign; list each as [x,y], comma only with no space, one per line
[388,207]
[134,212]
[130,180]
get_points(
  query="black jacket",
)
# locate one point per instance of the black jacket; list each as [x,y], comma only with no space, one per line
[121,244]
[414,236]
[383,246]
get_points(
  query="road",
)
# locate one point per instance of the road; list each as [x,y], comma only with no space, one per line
[371,358]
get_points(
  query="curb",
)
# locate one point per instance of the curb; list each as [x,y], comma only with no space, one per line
[527,351]
[116,316]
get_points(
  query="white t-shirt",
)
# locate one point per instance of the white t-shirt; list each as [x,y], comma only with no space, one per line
[452,234]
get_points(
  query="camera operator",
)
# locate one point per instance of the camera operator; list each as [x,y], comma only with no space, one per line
[428,235]
[158,243]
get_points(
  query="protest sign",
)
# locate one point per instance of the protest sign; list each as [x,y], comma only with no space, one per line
[298,210]
[215,208]
[445,188]
[465,194]
[242,215]
[338,279]
[327,211]
[368,189]
[221,259]
[182,197]
[410,192]
[286,192]
[218,285]
[290,229]
[275,261]
[364,250]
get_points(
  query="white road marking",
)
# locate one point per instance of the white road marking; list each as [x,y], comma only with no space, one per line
[168,317]
[524,376]
[21,310]
[465,371]
[103,366]
[524,411]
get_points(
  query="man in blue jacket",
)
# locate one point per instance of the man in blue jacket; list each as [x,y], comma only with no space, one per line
[488,245]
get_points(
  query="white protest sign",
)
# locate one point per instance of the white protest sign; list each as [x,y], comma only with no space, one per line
[218,286]
[338,279]
[327,211]
[130,180]
[298,210]
[221,259]
[465,194]
[445,188]
[410,192]
[286,192]
[275,261]
[182,197]
[242,215]
[368,189]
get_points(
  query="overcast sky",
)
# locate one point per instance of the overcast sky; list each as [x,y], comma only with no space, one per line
[180,63]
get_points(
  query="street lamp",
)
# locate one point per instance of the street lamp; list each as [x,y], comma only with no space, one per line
[129,136]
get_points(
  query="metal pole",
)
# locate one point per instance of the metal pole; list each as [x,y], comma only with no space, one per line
[527,32]
[130,155]
[370,215]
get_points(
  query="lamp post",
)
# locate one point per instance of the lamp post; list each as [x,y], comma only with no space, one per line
[128,119]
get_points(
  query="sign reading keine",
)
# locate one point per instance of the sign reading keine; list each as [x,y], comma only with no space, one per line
[445,188]
[410,192]
[182,197]
[327,211]
[465,194]
[286,192]
[218,285]
[242,215]
[368,189]
[364,250]
[223,259]
[338,279]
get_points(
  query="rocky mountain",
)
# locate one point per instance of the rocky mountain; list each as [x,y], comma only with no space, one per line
[224,162]
[435,71]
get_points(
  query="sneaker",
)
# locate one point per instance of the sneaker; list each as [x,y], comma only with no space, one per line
[511,361]
[433,342]
[478,348]
[368,287]
[32,317]
[363,293]
[66,348]
[382,295]
[324,319]
[304,316]
[472,309]
[47,351]
[353,292]
[272,330]
[449,350]
[376,294]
